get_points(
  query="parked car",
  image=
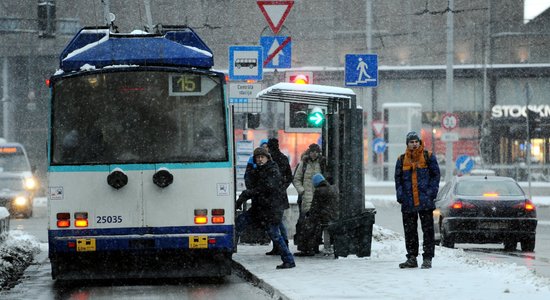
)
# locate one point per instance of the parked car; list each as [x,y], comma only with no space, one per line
[485,209]
[17,183]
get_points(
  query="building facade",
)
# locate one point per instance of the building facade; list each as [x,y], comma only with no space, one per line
[501,63]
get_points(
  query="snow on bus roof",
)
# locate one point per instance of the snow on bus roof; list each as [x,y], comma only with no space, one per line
[101,48]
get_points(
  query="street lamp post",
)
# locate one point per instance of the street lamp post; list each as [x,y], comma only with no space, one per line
[450,87]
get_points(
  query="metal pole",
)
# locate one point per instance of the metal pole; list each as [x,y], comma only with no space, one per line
[5,101]
[528,142]
[486,61]
[367,94]
[450,91]
[432,121]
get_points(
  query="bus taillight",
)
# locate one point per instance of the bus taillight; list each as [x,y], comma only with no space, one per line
[81,219]
[201,219]
[200,216]
[218,215]
[63,219]
[218,219]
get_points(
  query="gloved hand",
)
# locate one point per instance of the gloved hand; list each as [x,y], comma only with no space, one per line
[239,203]
[242,199]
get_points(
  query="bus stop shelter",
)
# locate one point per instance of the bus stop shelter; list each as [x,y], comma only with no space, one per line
[342,136]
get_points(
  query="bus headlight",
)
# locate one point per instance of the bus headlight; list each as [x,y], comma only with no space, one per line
[20,201]
[30,183]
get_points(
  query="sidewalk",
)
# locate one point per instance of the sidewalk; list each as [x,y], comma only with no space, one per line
[455,275]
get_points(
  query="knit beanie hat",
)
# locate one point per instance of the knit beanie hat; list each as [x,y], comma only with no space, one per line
[263,142]
[314,147]
[273,144]
[261,151]
[317,179]
[412,136]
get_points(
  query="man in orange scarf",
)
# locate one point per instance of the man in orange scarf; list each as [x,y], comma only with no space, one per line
[417,178]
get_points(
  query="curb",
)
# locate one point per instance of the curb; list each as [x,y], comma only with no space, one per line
[243,273]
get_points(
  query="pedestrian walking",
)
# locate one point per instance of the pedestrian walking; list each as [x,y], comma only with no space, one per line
[417,178]
[266,209]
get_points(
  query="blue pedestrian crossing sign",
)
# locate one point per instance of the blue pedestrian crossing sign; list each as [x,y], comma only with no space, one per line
[245,63]
[464,164]
[379,145]
[361,70]
[277,52]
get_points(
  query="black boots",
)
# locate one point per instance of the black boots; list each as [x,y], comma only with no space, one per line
[273,251]
[427,263]
[286,265]
[410,263]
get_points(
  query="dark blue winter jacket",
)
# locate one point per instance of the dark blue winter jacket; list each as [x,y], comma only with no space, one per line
[416,180]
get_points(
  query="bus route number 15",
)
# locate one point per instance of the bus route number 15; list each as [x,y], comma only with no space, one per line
[186,84]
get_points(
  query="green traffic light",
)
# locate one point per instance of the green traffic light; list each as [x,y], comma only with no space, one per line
[316,117]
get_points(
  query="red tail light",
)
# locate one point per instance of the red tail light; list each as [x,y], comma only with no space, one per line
[218,215]
[218,219]
[63,219]
[527,205]
[458,204]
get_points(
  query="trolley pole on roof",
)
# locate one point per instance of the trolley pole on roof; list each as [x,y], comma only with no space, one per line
[148,15]
[107,11]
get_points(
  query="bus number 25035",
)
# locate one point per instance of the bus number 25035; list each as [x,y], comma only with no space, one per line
[108,219]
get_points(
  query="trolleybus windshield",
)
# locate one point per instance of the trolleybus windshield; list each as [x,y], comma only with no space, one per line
[138,117]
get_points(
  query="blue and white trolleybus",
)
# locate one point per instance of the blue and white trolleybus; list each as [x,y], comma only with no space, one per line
[140,170]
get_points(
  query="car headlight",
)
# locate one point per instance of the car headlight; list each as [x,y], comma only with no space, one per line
[20,201]
[30,183]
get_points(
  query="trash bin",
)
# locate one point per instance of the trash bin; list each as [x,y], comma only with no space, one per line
[353,235]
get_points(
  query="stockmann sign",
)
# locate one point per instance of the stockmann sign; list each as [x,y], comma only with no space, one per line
[517,111]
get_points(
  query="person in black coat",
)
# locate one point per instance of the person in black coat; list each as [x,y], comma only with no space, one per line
[267,209]
[286,179]
[323,211]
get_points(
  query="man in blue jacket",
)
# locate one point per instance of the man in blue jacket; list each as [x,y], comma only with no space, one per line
[417,183]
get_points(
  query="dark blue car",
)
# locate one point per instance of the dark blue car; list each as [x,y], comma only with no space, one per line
[485,209]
